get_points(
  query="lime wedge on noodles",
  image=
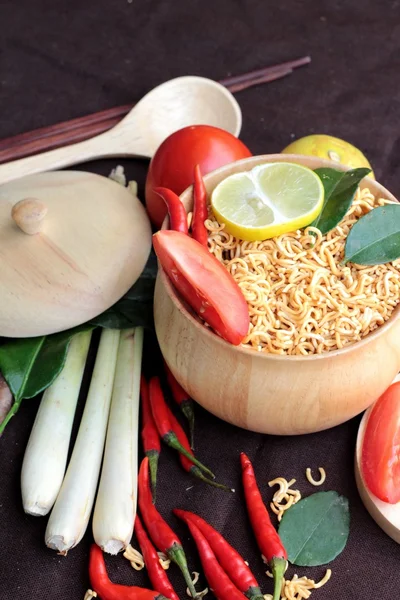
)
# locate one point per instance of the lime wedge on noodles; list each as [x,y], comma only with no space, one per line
[268,201]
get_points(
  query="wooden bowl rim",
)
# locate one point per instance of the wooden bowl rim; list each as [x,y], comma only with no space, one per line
[265,355]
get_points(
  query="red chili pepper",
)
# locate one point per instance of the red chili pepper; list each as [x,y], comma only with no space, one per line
[229,559]
[161,534]
[150,435]
[176,210]
[267,537]
[185,462]
[156,573]
[183,400]
[221,586]
[200,212]
[161,417]
[101,584]
[204,283]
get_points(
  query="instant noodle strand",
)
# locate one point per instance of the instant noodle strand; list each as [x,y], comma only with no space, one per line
[301,299]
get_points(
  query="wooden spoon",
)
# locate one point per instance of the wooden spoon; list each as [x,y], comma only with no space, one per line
[170,106]
[386,515]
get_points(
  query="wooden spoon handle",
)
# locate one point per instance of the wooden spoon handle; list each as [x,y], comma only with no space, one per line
[115,142]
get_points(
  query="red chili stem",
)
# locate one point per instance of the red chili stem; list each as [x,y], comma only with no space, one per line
[150,436]
[101,584]
[183,400]
[176,210]
[222,587]
[229,559]
[158,577]
[161,534]
[161,417]
[266,535]
[185,462]
[200,211]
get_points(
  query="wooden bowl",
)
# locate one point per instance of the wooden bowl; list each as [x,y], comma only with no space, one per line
[284,395]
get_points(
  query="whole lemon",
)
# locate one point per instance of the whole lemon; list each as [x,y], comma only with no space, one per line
[331,148]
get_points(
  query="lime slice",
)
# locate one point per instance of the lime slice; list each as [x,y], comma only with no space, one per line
[267,201]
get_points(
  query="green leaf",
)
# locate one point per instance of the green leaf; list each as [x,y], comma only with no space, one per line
[340,188]
[315,530]
[30,365]
[375,238]
[136,307]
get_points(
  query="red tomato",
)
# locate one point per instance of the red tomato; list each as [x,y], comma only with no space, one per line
[173,164]
[204,283]
[380,459]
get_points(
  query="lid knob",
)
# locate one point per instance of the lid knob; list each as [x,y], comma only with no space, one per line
[29,215]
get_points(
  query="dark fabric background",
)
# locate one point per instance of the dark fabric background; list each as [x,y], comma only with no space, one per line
[60,60]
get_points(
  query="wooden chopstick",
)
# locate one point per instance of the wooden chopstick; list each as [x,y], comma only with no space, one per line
[82,128]
[58,140]
[278,74]
[254,75]
[65,126]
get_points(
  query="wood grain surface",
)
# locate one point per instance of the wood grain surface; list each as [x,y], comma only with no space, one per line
[93,244]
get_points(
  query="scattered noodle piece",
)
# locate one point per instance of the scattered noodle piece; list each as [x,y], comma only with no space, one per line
[133,188]
[324,580]
[284,495]
[134,557]
[118,175]
[311,478]
[137,561]
[195,579]
[164,560]
[298,588]
[89,595]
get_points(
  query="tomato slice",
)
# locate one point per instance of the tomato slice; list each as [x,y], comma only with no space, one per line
[380,458]
[204,283]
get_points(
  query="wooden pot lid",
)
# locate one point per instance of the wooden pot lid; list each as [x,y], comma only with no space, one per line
[386,515]
[71,244]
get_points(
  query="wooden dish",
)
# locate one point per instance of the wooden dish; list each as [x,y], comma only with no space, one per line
[386,515]
[266,393]
[74,245]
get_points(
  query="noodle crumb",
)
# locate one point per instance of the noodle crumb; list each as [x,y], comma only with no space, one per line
[89,595]
[285,494]
[134,557]
[298,588]
[195,579]
[164,560]
[311,479]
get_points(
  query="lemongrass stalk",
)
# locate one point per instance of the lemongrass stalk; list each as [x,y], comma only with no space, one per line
[46,454]
[71,512]
[115,509]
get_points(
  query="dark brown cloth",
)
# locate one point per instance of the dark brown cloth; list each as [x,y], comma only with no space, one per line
[59,60]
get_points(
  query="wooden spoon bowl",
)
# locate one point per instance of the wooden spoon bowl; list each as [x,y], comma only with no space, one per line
[283,395]
[168,107]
